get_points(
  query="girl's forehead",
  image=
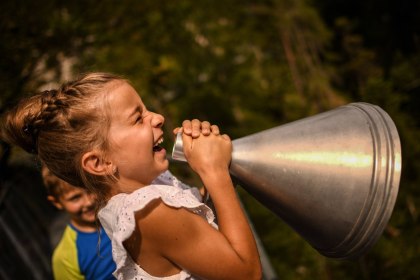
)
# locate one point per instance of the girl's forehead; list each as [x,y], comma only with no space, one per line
[123,100]
[123,92]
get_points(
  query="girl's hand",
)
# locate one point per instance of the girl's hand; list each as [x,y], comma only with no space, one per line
[208,154]
[195,128]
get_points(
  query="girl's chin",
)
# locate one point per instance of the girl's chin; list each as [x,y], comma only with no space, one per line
[166,165]
[161,157]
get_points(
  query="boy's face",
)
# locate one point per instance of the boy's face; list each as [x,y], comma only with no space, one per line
[79,204]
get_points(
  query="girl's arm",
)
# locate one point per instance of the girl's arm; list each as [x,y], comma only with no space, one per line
[177,236]
[210,157]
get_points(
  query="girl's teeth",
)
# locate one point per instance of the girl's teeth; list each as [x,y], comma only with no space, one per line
[157,148]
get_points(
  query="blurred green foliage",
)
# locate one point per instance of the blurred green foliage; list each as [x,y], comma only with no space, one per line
[247,66]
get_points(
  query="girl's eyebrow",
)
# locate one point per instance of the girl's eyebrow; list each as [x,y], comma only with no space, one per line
[136,110]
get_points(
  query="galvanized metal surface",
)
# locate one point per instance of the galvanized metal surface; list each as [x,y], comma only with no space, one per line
[332,177]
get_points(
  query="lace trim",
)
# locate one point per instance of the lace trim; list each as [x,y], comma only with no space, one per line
[118,219]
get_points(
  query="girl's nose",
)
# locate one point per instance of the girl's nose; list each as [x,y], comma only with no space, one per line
[157,120]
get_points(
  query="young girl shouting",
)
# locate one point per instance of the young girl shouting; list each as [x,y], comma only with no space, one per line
[96,132]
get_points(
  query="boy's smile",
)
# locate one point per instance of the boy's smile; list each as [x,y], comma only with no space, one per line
[80,205]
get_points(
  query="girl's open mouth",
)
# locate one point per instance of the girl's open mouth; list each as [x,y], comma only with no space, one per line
[156,147]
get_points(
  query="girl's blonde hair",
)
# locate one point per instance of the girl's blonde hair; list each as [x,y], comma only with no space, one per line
[61,125]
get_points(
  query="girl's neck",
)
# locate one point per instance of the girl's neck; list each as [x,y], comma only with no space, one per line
[125,186]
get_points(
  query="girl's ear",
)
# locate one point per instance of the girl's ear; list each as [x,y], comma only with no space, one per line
[93,163]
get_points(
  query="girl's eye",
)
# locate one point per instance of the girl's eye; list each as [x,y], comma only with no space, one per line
[139,119]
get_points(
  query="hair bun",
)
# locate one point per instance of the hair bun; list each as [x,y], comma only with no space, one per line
[18,124]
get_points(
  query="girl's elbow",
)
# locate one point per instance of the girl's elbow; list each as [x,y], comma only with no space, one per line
[256,273]
[253,272]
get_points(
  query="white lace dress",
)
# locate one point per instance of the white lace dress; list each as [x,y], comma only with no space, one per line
[118,220]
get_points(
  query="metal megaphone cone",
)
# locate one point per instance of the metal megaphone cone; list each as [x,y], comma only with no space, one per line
[332,177]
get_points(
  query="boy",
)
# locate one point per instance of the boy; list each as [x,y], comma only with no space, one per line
[83,252]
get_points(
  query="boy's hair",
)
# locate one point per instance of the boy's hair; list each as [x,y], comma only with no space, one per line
[54,185]
[61,125]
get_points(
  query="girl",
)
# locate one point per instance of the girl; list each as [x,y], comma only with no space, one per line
[96,132]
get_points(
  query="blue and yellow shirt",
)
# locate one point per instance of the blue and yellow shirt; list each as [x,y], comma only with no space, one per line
[80,255]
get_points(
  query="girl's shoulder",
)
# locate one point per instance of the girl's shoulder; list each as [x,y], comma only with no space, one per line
[118,215]
[169,194]
[167,187]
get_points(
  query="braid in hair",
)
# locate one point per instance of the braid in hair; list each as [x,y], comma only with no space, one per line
[61,125]
[47,118]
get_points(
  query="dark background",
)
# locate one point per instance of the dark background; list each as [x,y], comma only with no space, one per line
[245,65]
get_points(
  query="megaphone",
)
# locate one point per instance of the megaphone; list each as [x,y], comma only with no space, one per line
[332,177]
